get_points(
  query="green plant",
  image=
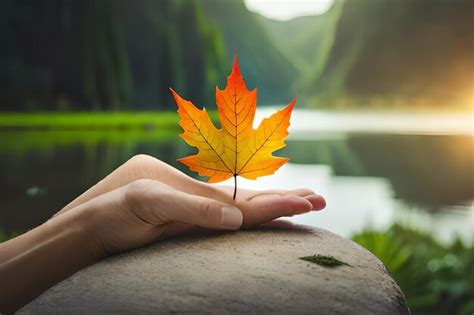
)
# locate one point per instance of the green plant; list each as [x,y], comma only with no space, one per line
[3,237]
[436,278]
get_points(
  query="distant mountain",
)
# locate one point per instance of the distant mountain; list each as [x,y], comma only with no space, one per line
[305,40]
[262,63]
[120,54]
[404,49]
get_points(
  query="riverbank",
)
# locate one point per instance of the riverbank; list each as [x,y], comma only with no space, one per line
[89,120]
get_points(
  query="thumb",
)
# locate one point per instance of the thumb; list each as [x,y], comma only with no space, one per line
[204,212]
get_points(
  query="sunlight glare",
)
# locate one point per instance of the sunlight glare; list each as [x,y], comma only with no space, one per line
[284,10]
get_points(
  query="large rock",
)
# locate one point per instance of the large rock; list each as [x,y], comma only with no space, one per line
[256,271]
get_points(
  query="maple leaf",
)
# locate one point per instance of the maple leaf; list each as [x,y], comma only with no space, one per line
[236,149]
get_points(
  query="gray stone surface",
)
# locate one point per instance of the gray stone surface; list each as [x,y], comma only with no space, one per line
[254,271]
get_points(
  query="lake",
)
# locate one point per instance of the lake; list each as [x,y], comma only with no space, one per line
[374,169]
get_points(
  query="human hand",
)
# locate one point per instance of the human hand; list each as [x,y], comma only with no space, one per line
[145,200]
[142,201]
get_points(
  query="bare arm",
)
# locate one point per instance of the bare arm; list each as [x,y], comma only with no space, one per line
[127,210]
[49,254]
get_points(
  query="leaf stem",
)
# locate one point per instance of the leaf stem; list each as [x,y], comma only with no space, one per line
[235,186]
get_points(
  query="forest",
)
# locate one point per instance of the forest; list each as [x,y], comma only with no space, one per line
[114,55]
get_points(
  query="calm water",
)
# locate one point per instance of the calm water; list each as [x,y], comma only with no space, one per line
[372,170]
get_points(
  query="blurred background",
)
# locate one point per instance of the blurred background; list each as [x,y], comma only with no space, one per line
[383,126]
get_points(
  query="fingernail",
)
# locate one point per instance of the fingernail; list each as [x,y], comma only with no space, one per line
[231,217]
[317,201]
[321,204]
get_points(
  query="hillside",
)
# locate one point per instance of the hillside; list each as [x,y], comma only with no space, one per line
[401,49]
[112,55]
[261,61]
[305,40]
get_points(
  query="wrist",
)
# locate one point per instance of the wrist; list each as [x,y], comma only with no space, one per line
[104,223]
[44,256]
[83,225]
[76,228]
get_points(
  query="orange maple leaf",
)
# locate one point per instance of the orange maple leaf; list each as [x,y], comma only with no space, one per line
[236,149]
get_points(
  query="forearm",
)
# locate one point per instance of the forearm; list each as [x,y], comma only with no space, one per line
[38,259]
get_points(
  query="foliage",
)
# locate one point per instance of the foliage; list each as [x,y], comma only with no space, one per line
[104,54]
[436,278]
[236,149]
[3,237]
[116,55]
[325,261]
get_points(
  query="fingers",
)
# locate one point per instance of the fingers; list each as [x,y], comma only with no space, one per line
[205,212]
[269,207]
[143,166]
[317,201]
[168,205]
[247,194]
[264,208]
[302,192]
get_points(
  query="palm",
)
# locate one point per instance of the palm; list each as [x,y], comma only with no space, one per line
[257,207]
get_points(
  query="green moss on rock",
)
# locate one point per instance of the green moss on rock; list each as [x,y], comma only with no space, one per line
[325,261]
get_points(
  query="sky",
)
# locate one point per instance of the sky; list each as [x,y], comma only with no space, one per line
[288,9]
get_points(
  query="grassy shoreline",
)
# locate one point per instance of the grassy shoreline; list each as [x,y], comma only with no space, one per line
[21,132]
[89,120]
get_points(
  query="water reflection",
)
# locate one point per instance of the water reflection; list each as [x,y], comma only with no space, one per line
[358,202]
[353,202]
[428,170]
[306,122]
[368,179]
